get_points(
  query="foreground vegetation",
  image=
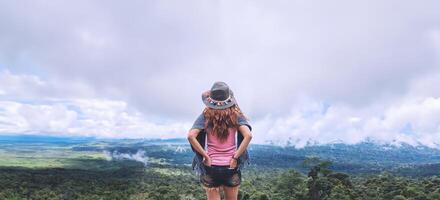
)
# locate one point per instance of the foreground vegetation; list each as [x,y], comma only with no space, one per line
[156,170]
[133,181]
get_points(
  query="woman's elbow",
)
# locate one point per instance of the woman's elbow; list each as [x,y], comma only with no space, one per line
[189,136]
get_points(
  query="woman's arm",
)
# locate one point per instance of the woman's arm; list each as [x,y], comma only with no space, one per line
[192,134]
[247,136]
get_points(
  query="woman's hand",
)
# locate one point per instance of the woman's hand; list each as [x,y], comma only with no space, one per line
[207,161]
[233,163]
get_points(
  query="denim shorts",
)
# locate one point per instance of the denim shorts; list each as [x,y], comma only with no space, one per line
[220,176]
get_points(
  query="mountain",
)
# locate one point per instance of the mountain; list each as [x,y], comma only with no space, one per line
[362,158]
[365,157]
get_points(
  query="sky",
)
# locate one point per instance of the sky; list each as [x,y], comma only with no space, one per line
[303,72]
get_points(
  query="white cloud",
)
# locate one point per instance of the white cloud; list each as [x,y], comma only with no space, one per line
[139,156]
[370,69]
[414,119]
[410,121]
[26,87]
[83,117]
[26,109]
[152,54]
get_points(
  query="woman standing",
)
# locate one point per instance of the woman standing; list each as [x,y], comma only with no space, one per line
[219,137]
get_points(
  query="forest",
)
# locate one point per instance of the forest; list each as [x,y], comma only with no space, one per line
[161,170]
[133,181]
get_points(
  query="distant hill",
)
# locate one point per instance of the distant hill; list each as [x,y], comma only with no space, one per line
[362,158]
[43,139]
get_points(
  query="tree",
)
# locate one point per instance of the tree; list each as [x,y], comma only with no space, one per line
[323,182]
[291,185]
[399,197]
[319,186]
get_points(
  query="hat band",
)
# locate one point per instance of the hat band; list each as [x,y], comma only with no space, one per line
[219,103]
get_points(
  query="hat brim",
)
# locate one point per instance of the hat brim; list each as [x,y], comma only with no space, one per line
[205,100]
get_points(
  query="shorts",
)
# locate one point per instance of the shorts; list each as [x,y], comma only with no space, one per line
[220,176]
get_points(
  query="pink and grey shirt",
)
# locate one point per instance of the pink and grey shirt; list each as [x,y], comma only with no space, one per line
[220,152]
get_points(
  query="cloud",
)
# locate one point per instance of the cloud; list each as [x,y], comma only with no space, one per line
[28,87]
[416,122]
[314,70]
[26,108]
[413,119]
[147,53]
[139,156]
[83,117]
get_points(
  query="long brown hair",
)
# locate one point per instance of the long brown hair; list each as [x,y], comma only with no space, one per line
[222,119]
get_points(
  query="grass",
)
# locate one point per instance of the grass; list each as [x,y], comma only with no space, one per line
[45,156]
[52,156]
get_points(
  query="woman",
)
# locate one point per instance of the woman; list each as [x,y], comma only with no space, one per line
[219,164]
